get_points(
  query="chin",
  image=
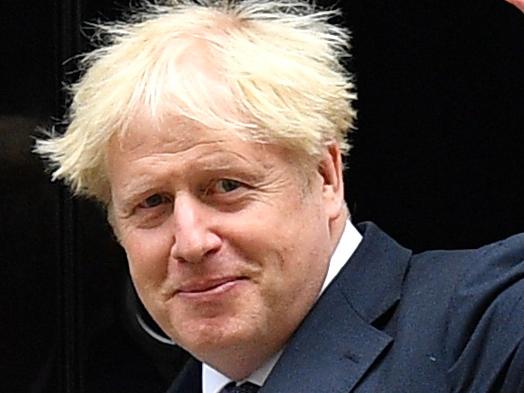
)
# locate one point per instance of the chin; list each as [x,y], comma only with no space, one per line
[203,336]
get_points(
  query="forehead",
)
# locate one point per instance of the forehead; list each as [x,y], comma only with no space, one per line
[186,143]
[145,132]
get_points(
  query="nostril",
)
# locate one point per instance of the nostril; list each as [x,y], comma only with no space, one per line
[196,247]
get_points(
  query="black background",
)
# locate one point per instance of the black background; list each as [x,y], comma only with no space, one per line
[437,162]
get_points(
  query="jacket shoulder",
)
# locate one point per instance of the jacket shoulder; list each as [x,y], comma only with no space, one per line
[478,296]
[486,324]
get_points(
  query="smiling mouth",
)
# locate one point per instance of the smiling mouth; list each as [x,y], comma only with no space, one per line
[209,288]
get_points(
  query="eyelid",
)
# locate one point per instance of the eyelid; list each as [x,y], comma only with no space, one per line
[163,199]
[212,187]
[235,182]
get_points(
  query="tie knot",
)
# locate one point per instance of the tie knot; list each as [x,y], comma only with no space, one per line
[246,387]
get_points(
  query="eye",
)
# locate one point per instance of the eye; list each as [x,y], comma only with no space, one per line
[153,201]
[226,185]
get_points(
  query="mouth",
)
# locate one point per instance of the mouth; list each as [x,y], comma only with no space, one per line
[212,287]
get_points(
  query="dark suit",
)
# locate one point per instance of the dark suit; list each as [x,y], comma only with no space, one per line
[440,321]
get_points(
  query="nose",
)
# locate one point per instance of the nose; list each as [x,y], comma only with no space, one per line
[193,237]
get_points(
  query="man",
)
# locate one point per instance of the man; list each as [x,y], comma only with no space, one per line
[213,134]
[517,3]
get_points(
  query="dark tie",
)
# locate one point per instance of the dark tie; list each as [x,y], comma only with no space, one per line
[246,387]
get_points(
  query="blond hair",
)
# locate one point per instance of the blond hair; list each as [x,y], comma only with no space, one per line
[277,70]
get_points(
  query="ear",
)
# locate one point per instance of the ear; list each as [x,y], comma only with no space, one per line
[330,171]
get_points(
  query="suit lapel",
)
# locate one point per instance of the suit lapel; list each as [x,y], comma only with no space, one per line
[337,343]
[189,380]
[329,353]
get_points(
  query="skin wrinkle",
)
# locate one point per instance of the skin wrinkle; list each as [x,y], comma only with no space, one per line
[144,68]
[190,80]
[249,234]
[186,131]
[141,184]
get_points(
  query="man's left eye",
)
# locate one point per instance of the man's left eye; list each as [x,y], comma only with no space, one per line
[226,185]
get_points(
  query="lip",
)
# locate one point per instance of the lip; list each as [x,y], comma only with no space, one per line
[208,287]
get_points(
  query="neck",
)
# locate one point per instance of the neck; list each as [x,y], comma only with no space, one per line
[243,366]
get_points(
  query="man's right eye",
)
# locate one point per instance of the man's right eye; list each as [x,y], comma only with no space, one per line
[153,201]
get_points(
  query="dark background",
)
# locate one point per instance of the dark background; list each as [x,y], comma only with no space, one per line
[437,162]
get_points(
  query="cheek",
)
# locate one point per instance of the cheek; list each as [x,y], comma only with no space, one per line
[148,259]
[148,255]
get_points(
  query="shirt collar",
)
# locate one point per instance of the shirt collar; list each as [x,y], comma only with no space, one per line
[213,381]
[346,246]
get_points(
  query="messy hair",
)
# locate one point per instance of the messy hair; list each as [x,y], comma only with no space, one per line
[278,66]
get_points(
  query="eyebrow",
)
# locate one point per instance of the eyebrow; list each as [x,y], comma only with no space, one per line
[135,188]
[214,162]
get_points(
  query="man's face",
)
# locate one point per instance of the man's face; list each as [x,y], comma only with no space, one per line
[228,241]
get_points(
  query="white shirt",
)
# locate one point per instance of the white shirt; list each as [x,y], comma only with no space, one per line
[213,381]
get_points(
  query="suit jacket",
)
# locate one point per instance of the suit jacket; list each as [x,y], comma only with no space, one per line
[391,321]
